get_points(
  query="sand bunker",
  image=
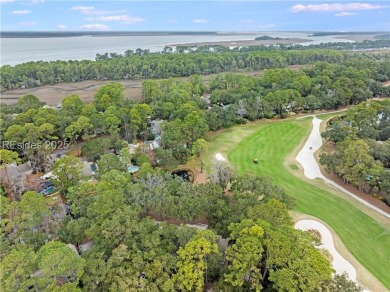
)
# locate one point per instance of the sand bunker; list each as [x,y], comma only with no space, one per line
[219,157]
[339,264]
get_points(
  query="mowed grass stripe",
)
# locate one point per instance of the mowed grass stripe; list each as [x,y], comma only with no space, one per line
[367,240]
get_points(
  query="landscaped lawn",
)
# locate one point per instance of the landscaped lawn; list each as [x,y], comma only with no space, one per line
[271,142]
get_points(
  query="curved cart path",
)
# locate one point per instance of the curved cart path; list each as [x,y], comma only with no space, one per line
[312,170]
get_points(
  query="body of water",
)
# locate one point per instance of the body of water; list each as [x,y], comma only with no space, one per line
[21,50]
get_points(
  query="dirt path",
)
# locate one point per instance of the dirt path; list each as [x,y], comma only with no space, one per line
[312,170]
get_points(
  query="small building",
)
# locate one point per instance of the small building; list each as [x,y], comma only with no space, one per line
[155,143]
[155,127]
[89,168]
[133,147]
[85,246]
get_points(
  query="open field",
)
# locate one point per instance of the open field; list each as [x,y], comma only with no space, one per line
[275,144]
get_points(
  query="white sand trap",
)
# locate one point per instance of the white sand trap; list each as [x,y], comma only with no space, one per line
[219,157]
[339,264]
[311,168]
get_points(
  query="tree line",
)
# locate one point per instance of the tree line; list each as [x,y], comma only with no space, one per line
[133,251]
[361,154]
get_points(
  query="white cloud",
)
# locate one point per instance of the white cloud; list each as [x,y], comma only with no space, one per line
[90,10]
[266,26]
[5,1]
[32,23]
[61,26]
[200,21]
[246,21]
[20,12]
[97,26]
[37,1]
[346,13]
[83,8]
[122,18]
[334,7]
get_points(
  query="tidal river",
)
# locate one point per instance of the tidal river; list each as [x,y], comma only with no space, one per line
[20,50]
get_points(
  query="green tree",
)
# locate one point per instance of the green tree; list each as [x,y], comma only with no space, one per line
[22,217]
[109,94]
[293,262]
[199,147]
[16,268]
[78,129]
[192,264]
[72,105]
[245,255]
[27,102]
[109,162]
[274,212]
[68,172]
[58,263]
[93,149]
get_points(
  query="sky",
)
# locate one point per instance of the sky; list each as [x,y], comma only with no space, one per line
[126,15]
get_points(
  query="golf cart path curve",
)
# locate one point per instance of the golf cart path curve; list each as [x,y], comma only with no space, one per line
[311,168]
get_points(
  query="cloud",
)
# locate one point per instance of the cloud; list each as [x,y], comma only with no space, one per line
[37,1]
[122,18]
[20,12]
[28,23]
[61,26]
[90,10]
[266,26]
[200,21]
[346,13]
[97,26]
[83,9]
[246,21]
[7,1]
[334,7]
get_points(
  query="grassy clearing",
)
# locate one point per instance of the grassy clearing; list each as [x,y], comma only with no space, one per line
[368,239]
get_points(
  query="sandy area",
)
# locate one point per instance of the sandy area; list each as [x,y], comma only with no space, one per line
[386,83]
[357,37]
[247,43]
[219,157]
[339,263]
[312,170]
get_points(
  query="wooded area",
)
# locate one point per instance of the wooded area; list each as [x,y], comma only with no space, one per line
[126,216]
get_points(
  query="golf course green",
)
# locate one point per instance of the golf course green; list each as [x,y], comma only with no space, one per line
[272,142]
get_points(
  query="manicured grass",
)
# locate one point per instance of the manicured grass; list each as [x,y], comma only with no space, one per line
[271,142]
[293,166]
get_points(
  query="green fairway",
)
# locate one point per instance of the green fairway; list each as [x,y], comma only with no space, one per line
[271,142]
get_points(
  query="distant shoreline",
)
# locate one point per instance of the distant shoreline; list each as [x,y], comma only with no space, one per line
[62,34]
[246,43]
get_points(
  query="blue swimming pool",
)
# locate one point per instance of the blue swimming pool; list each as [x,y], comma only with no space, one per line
[133,169]
[47,190]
